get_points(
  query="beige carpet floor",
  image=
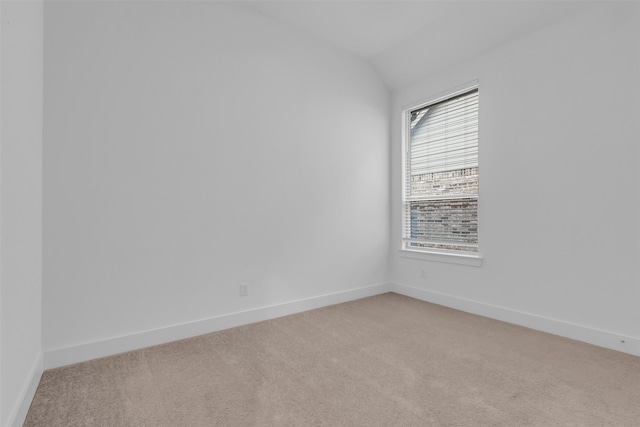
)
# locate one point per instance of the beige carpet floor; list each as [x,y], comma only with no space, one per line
[387,360]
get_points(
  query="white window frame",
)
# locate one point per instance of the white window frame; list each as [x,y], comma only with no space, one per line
[433,254]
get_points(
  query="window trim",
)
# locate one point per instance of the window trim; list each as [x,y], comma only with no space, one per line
[473,260]
[430,254]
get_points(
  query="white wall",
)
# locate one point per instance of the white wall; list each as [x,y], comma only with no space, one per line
[191,147]
[559,182]
[21,207]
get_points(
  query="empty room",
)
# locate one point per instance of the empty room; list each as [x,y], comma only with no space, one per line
[319,213]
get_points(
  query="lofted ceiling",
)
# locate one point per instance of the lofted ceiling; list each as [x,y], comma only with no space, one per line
[408,40]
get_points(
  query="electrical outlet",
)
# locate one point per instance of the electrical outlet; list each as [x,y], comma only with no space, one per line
[244,289]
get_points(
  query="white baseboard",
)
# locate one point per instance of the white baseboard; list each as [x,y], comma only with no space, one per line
[87,351]
[79,353]
[611,340]
[17,417]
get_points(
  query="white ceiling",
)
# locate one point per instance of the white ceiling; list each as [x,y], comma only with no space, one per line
[407,40]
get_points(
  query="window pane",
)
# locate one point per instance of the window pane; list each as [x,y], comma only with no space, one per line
[444,136]
[447,224]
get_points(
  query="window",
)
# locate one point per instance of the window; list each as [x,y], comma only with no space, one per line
[440,194]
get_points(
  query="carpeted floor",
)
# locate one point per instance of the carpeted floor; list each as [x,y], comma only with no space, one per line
[387,360]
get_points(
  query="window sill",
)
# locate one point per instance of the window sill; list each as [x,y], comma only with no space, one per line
[459,259]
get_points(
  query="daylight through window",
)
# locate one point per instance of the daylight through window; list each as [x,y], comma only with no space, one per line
[440,206]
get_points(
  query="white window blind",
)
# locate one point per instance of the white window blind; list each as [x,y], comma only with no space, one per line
[440,206]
